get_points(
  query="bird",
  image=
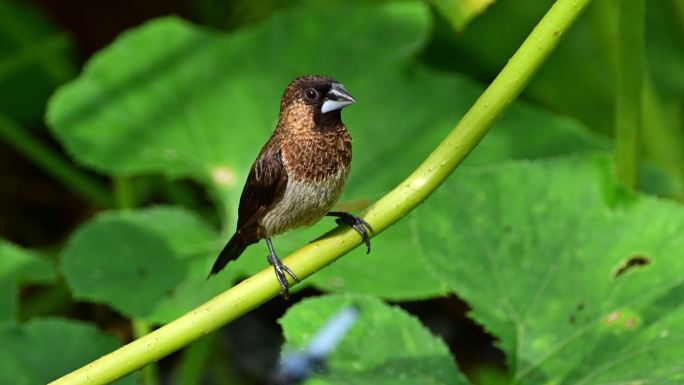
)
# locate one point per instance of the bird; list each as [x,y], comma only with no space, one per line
[299,173]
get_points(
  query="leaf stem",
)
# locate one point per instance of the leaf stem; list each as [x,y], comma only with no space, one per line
[629,100]
[124,194]
[49,160]
[148,374]
[262,286]
[192,364]
[125,198]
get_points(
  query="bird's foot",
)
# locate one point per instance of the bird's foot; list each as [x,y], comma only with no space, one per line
[280,271]
[362,227]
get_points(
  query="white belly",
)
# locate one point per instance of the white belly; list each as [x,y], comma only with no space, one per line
[303,203]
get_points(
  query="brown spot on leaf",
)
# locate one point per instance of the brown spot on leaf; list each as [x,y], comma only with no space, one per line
[631,322]
[612,317]
[634,261]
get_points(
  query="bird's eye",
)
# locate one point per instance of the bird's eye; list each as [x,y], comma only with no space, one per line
[310,94]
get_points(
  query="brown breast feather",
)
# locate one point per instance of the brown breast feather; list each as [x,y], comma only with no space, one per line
[314,156]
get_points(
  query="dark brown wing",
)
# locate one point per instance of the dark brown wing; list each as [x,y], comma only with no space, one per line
[265,185]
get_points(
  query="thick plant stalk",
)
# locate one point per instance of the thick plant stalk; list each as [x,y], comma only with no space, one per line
[630,79]
[410,193]
[148,374]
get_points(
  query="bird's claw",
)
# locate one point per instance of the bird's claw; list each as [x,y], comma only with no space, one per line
[362,227]
[280,271]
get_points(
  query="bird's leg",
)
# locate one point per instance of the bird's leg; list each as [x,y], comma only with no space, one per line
[362,227]
[280,270]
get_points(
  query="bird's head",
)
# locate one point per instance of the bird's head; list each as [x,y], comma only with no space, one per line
[314,101]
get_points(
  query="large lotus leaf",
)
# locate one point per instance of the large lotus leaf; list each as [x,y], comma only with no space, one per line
[384,346]
[203,103]
[580,281]
[385,153]
[389,142]
[43,350]
[383,272]
[174,98]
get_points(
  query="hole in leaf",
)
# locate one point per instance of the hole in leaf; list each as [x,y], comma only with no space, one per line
[573,317]
[634,261]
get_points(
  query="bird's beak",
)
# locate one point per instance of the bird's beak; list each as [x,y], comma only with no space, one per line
[337,98]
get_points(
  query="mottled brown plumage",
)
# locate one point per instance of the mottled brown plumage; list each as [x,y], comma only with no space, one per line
[299,173]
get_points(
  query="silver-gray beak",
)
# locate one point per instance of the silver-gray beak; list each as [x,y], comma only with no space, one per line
[337,98]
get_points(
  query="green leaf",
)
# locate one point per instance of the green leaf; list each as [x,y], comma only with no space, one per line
[206,113]
[389,133]
[585,89]
[524,132]
[203,104]
[459,12]
[664,33]
[35,59]
[150,264]
[18,265]
[385,346]
[381,273]
[44,349]
[24,265]
[580,280]
[191,105]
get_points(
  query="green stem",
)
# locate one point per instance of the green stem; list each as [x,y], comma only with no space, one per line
[125,198]
[259,288]
[192,365]
[124,194]
[629,100]
[148,374]
[49,160]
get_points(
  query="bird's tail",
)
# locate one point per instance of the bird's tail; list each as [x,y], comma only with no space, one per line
[231,251]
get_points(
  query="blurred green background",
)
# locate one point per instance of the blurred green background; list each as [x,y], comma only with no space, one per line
[160,107]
